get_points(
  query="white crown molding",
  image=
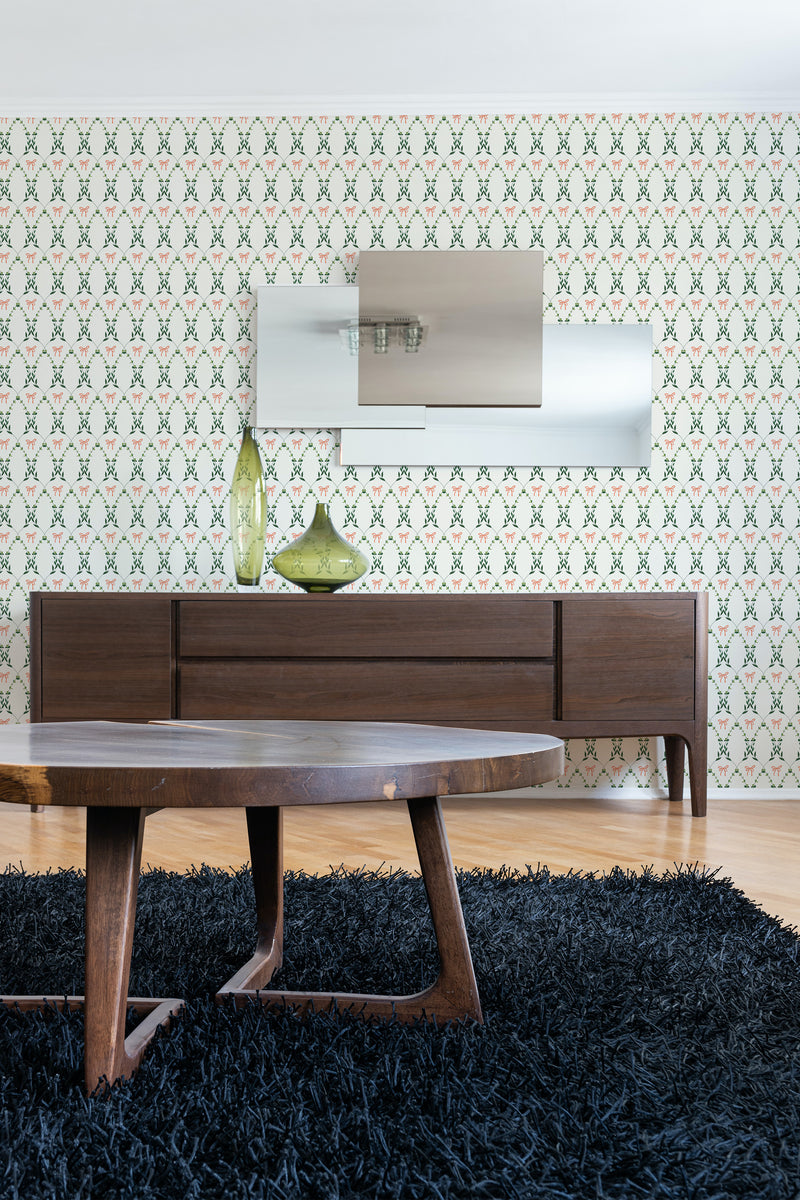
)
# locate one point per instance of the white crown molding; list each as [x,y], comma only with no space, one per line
[379,105]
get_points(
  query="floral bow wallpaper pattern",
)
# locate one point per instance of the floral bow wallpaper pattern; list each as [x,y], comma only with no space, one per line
[130,250]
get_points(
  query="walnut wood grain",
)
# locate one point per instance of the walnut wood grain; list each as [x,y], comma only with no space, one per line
[191,765]
[367,627]
[95,660]
[265,836]
[614,658]
[113,857]
[468,691]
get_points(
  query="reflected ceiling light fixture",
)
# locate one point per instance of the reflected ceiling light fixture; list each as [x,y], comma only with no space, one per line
[379,335]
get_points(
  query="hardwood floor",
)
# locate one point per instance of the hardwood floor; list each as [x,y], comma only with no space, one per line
[755,842]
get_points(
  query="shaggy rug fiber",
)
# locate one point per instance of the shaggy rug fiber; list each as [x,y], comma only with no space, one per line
[641,1040]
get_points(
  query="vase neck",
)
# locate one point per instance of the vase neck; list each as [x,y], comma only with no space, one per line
[320,516]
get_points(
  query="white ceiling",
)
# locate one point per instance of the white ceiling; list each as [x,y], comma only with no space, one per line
[354,55]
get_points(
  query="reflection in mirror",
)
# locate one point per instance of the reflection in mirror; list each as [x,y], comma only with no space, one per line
[597,393]
[449,327]
[306,378]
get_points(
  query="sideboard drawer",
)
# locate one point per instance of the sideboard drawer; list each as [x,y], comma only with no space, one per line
[359,690]
[367,627]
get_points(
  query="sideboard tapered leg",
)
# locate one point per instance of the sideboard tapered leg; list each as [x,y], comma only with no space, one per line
[674,754]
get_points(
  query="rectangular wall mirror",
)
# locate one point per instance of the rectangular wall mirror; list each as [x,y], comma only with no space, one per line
[596,387]
[596,411]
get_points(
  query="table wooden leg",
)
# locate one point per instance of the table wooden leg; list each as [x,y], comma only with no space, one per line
[113,855]
[456,988]
[453,996]
[265,834]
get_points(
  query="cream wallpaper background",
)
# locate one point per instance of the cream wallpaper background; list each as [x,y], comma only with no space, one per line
[130,250]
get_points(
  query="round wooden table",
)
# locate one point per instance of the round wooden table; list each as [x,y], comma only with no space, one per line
[122,773]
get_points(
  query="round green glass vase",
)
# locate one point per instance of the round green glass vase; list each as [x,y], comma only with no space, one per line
[320,560]
[248,512]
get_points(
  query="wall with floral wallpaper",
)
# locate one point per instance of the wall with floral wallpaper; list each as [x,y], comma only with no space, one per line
[130,250]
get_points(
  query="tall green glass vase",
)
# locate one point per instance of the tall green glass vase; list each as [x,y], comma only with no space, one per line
[248,512]
[320,560]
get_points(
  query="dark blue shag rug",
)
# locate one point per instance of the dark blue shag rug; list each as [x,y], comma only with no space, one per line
[641,1040]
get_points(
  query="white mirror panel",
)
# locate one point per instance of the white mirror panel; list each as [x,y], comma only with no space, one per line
[305,376]
[597,391]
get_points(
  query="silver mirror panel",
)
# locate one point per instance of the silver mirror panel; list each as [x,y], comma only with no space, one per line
[450,328]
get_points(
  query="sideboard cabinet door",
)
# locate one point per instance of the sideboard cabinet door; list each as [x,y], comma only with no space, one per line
[628,658]
[101,658]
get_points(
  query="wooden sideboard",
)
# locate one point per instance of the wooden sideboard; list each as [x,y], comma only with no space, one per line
[593,665]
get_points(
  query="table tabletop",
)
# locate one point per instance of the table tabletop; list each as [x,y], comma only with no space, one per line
[225,764]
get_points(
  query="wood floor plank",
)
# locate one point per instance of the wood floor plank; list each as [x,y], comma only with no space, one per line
[756,843]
